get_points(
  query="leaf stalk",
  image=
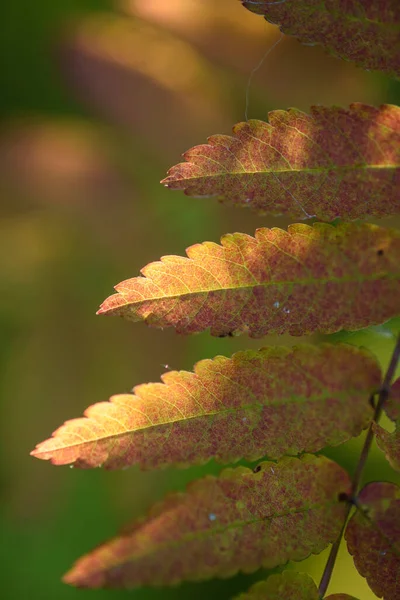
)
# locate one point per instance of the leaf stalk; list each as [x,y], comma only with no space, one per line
[383,392]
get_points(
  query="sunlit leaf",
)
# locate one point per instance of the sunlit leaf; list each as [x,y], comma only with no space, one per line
[288,585]
[390,442]
[366,32]
[319,278]
[271,402]
[241,520]
[331,163]
[373,538]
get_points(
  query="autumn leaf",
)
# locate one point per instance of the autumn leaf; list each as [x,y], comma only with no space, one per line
[373,538]
[392,404]
[289,585]
[365,32]
[320,278]
[270,402]
[388,442]
[331,163]
[241,520]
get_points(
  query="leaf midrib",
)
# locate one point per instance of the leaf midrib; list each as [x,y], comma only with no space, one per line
[291,400]
[332,167]
[199,535]
[308,282]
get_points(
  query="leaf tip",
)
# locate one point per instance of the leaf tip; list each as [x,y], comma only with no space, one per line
[37,452]
[72,578]
[80,576]
[41,451]
[111,304]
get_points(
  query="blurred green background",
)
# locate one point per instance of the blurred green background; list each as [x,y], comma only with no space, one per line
[98,99]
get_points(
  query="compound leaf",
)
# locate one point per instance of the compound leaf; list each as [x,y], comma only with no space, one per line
[373,538]
[320,278]
[270,402]
[241,520]
[389,443]
[288,585]
[365,32]
[331,163]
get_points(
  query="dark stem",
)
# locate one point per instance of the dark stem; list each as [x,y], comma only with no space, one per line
[355,484]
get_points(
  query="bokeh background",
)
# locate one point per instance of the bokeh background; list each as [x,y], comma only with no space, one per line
[98,99]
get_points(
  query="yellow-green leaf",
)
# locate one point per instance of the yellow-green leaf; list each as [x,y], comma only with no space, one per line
[320,278]
[270,402]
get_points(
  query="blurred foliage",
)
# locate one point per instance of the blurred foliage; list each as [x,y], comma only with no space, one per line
[98,100]
[29,37]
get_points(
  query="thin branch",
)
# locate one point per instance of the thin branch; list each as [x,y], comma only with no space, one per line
[383,395]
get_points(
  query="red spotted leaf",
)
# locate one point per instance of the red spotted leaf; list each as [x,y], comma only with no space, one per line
[331,163]
[241,520]
[366,32]
[271,402]
[320,278]
[288,585]
[373,538]
[388,442]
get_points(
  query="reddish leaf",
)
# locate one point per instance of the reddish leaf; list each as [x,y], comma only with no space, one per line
[241,520]
[366,32]
[332,163]
[272,402]
[389,443]
[373,538]
[288,585]
[392,404]
[319,278]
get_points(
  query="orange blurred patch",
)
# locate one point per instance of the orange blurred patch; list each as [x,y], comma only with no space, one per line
[146,79]
[63,160]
